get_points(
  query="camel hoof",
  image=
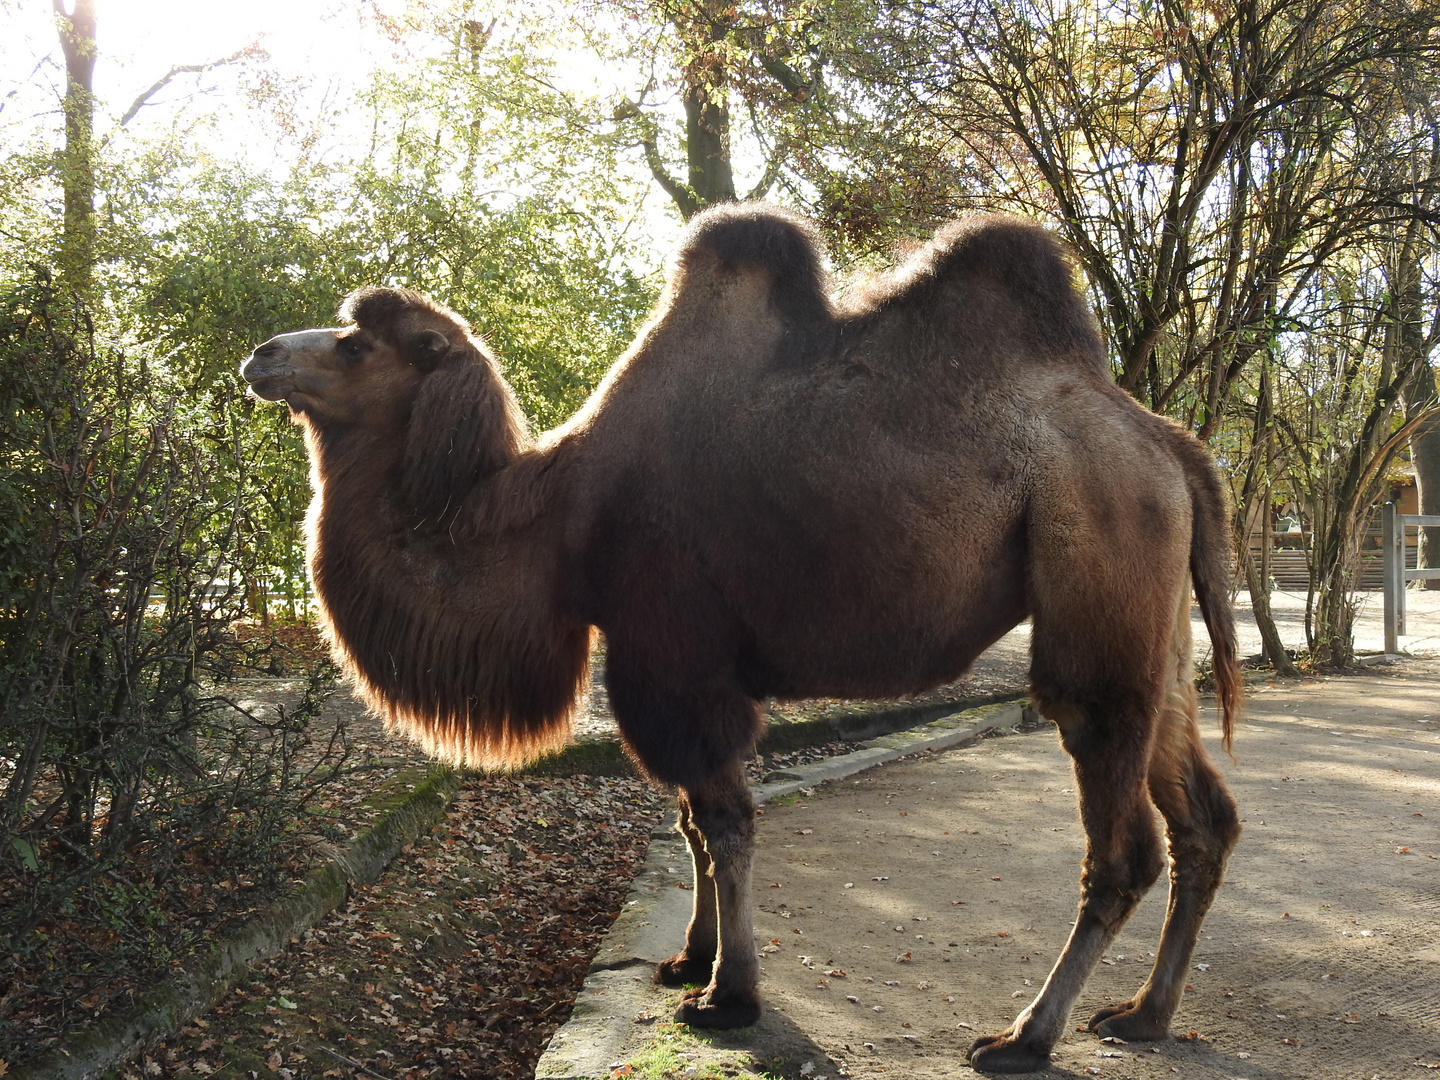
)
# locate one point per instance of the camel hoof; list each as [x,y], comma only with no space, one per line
[1004,1054]
[708,1009]
[681,970]
[1126,1021]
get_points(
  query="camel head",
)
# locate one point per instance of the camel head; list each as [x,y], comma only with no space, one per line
[406,372]
[368,373]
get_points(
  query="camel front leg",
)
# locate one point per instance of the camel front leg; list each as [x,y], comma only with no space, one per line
[694,963]
[722,815]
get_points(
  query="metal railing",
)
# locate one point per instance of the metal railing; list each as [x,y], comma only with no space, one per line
[1393,526]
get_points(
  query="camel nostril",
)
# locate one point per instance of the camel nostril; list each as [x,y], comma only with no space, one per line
[268,351]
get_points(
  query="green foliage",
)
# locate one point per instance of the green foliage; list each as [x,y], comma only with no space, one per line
[146,504]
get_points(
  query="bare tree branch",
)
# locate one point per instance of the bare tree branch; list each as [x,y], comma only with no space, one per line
[684,197]
[772,171]
[180,69]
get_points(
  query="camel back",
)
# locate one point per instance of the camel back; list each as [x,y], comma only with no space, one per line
[989,253]
[1012,266]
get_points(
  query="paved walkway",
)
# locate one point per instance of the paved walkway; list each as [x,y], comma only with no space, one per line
[1422,610]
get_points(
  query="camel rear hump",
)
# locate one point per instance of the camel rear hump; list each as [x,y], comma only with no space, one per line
[1002,256]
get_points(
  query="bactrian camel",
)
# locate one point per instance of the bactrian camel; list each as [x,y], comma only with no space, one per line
[778,493]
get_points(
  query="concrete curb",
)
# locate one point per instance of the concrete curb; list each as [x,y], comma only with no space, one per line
[618,992]
[410,803]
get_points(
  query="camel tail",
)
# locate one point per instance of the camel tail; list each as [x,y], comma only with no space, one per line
[1210,550]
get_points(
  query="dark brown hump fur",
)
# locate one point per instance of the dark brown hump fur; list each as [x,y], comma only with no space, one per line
[732,237]
[1008,255]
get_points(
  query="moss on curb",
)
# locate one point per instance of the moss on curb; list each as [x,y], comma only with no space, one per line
[412,802]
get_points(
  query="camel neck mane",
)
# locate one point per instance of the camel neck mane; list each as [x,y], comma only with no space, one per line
[457,642]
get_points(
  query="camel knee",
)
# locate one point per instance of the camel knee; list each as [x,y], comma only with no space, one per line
[722,813]
[1198,855]
[1130,875]
[1202,821]
[1221,816]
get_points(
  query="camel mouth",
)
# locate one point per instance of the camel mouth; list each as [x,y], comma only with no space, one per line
[268,388]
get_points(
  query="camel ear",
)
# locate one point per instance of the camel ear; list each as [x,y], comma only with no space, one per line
[428,349]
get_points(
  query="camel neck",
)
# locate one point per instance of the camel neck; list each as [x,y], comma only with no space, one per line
[455,633]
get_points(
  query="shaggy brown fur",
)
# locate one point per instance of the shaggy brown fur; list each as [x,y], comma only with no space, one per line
[778,494]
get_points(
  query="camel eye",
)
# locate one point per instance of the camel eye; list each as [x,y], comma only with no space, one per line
[351,349]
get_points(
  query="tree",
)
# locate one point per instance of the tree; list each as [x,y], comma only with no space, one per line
[1197,160]
[77,160]
[1344,377]
[487,187]
[1256,496]
[1417,307]
[1425,456]
[717,56]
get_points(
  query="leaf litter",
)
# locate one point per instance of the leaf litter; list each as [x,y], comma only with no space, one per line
[463,960]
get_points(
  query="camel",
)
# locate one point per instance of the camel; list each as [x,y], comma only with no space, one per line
[783,492]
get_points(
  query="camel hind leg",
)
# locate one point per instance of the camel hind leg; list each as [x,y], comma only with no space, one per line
[1102,648]
[1122,860]
[1201,828]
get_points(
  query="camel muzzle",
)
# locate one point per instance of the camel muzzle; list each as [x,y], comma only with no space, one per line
[268,370]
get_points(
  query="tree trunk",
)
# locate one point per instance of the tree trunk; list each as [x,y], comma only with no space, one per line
[77,178]
[1257,580]
[707,145]
[1257,485]
[719,43]
[1333,646]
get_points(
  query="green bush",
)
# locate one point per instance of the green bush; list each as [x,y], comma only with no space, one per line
[124,771]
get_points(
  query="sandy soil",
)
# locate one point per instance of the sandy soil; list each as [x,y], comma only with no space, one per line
[943,887]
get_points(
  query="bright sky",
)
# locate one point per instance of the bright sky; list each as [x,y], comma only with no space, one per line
[329,45]
[141,40]
[151,35]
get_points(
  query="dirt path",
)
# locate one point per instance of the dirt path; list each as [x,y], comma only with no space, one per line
[943,888]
